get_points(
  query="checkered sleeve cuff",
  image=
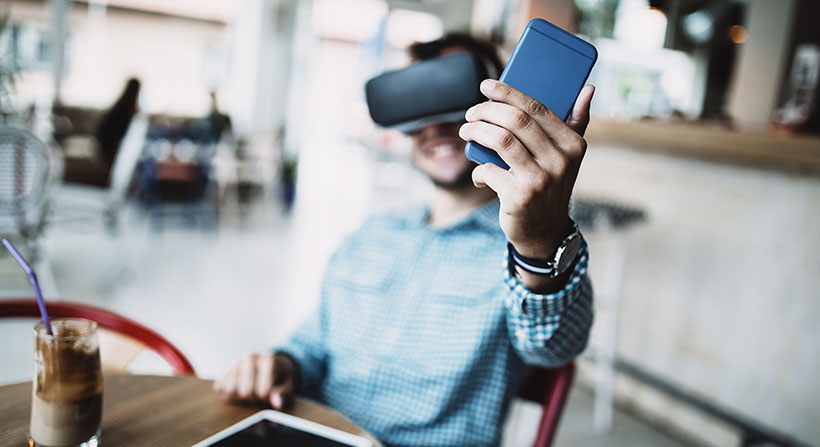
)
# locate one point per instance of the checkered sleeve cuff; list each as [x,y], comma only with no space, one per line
[309,373]
[550,330]
[307,350]
[523,303]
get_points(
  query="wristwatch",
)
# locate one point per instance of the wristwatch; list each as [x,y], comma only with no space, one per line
[558,263]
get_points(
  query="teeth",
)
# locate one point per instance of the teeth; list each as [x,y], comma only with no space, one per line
[442,149]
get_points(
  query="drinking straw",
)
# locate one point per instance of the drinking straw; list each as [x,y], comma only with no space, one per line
[40,302]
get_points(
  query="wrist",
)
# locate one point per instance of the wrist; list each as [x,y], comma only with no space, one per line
[545,247]
[541,284]
[548,262]
[292,366]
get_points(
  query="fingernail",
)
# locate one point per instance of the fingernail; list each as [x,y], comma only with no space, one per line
[276,400]
[461,129]
[487,85]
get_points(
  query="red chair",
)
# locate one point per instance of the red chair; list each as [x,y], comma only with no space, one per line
[27,308]
[548,388]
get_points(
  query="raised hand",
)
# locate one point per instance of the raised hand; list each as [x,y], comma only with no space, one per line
[544,154]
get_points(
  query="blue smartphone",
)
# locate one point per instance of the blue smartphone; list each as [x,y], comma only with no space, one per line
[549,65]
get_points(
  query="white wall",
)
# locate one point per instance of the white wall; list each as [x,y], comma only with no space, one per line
[456,15]
[169,55]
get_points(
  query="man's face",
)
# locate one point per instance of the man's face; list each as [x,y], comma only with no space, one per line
[439,152]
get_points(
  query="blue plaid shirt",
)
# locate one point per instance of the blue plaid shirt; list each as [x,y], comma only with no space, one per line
[422,336]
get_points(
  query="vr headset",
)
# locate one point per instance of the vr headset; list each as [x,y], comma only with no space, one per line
[428,92]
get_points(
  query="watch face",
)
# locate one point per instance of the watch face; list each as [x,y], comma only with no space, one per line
[566,254]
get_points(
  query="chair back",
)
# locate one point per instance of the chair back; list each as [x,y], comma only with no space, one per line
[125,162]
[25,169]
[27,308]
[548,388]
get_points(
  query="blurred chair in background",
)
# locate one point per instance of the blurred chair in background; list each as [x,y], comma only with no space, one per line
[614,221]
[25,178]
[89,158]
[83,203]
[176,178]
[121,339]
[73,130]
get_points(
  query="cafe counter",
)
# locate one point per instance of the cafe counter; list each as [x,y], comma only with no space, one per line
[762,149]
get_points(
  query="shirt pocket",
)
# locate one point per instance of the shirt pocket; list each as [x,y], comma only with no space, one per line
[370,274]
[464,284]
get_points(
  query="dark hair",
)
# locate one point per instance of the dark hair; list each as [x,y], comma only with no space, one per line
[114,124]
[484,49]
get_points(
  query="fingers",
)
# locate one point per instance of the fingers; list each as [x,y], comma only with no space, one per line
[579,117]
[525,128]
[281,392]
[508,147]
[555,145]
[264,377]
[226,386]
[495,177]
[246,378]
[259,378]
[552,124]
[281,397]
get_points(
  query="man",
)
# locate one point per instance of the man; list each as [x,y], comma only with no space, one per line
[422,335]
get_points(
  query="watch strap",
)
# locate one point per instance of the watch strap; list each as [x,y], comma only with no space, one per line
[548,266]
[538,267]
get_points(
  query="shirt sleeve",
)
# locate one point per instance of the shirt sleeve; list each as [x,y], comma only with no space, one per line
[306,346]
[550,330]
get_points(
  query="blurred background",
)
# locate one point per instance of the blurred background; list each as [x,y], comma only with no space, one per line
[193,164]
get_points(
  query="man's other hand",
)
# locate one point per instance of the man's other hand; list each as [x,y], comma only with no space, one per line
[259,378]
[544,154]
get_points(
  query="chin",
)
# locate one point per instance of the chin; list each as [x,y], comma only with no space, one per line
[439,153]
[460,180]
[453,172]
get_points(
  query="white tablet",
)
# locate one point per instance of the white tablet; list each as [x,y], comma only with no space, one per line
[270,428]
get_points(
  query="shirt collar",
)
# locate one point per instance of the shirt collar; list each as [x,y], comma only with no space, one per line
[484,216]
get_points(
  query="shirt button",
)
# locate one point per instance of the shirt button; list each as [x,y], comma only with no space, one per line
[391,335]
[363,369]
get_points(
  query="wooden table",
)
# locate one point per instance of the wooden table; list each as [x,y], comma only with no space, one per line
[157,410]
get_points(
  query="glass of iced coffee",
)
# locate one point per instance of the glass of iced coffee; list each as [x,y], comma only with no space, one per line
[66,402]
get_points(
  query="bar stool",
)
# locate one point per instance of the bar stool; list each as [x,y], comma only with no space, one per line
[614,220]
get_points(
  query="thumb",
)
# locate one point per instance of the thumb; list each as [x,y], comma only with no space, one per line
[281,396]
[579,118]
[498,179]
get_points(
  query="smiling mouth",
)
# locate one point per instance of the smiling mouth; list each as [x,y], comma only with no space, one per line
[441,149]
